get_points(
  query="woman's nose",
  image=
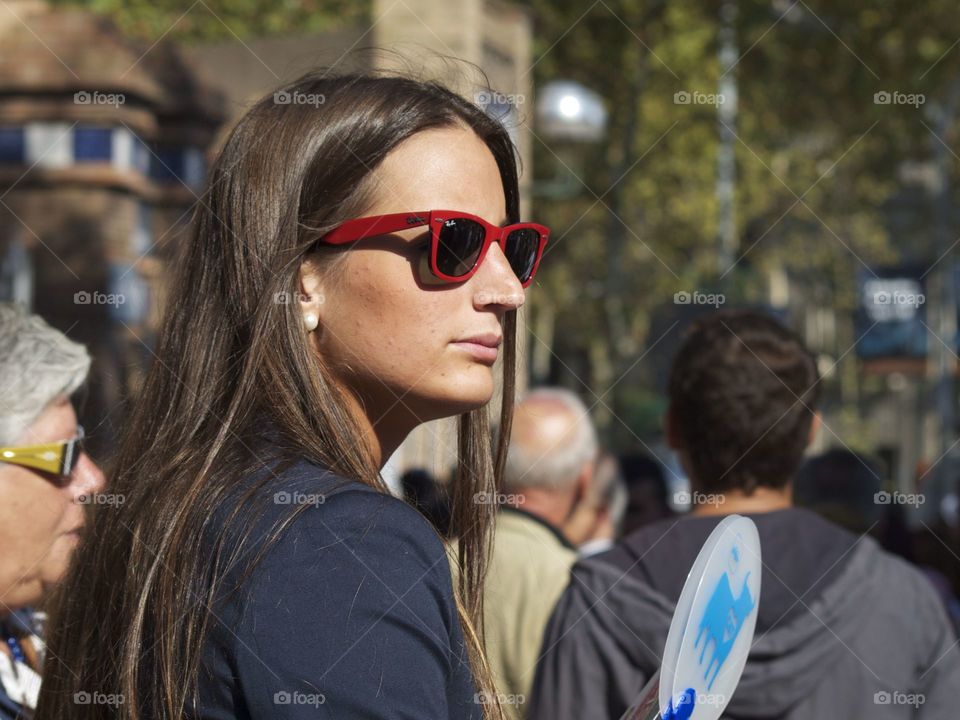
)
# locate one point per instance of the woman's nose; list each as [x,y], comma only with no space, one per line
[497,283]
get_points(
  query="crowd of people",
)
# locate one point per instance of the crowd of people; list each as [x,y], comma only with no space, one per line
[254,564]
[590,555]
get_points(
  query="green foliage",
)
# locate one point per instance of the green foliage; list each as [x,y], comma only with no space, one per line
[818,161]
[226,19]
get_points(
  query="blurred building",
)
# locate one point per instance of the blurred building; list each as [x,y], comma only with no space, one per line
[104,143]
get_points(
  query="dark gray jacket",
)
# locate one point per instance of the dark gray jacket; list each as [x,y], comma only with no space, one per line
[844,630]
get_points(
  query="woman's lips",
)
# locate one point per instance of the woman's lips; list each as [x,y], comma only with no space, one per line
[480,352]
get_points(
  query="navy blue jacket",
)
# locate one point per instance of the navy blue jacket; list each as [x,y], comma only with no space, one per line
[348,614]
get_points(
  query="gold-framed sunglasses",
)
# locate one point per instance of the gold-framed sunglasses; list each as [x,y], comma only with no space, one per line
[57,458]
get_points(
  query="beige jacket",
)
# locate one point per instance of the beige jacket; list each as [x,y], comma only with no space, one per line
[528,572]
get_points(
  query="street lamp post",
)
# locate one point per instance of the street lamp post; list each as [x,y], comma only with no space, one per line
[570,115]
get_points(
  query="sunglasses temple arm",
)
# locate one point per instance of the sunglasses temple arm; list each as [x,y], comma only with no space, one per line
[48,458]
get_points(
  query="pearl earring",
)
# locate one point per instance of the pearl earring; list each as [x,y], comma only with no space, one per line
[311,321]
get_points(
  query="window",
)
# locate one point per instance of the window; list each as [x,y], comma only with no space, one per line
[142,233]
[166,164]
[178,164]
[194,167]
[92,144]
[141,155]
[12,146]
[49,145]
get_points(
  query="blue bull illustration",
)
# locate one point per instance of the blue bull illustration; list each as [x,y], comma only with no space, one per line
[721,623]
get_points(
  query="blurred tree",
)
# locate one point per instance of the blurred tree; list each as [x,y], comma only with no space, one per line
[224,19]
[832,178]
[820,157]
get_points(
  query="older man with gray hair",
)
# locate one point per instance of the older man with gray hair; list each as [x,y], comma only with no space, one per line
[45,479]
[545,511]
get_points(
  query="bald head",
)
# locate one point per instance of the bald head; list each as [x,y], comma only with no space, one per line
[552,440]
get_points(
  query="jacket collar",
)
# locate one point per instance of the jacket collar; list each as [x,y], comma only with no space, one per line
[560,537]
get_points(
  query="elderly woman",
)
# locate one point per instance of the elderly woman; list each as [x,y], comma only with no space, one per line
[44,476]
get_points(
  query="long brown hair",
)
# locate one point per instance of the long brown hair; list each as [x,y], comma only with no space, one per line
[131,616]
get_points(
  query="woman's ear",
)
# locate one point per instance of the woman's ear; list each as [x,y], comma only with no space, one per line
[311,295]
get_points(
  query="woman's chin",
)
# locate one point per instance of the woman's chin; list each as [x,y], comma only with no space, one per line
[471,391]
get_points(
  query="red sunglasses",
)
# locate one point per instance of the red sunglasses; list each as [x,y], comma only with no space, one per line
[458,241]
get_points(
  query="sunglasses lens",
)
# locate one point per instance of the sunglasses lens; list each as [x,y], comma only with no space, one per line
[461,241]
[523,245]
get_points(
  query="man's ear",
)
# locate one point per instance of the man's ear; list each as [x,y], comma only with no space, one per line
[584,481]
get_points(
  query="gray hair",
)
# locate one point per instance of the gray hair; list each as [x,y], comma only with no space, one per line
[558,467]
[38,364]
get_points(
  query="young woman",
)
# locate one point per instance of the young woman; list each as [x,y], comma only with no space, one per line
[355,270]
